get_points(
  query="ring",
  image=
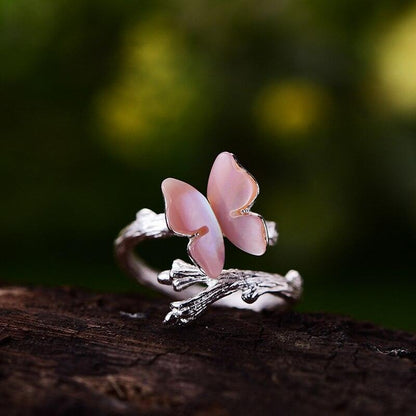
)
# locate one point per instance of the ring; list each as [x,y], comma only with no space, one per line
[226,212]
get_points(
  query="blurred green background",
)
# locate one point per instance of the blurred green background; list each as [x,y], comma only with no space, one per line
[101,100]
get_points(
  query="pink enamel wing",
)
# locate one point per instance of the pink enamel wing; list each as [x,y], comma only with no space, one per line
[231,193]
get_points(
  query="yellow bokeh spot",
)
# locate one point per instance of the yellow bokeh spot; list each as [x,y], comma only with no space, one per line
[396,64]
[289,108]
[158,90]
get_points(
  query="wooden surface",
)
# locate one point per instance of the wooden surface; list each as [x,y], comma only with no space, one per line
[68,352]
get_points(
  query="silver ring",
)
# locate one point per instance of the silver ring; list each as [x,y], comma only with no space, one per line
[189,284]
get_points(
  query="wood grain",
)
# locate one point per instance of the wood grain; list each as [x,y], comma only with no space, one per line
[69,352]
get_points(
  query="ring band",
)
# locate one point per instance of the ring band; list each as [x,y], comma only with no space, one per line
[233,288]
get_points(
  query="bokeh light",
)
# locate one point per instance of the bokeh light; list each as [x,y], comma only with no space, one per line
[291,108]
[396,64]
[159,102]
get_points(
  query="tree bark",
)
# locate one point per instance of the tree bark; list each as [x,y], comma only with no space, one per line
[66,351]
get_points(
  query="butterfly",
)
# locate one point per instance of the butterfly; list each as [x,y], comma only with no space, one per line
[231,192]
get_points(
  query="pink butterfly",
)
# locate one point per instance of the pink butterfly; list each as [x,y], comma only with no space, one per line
[231,193]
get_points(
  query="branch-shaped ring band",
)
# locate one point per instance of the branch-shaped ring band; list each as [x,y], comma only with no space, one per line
[233,288]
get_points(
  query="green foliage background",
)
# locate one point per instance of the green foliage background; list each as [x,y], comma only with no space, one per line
[102,100]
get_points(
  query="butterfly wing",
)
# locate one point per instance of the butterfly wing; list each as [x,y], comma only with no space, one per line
[188,213]
[231,193]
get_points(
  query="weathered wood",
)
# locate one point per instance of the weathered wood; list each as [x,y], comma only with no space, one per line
[65,351]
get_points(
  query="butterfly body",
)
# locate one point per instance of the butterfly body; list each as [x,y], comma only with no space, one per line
[231,193]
